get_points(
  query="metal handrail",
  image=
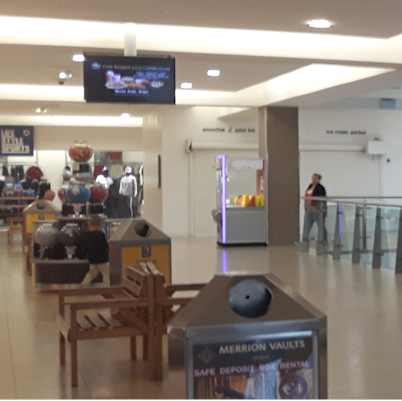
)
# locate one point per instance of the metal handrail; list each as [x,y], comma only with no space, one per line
[339,200]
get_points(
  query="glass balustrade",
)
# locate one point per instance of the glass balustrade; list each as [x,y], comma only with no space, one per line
[365,230]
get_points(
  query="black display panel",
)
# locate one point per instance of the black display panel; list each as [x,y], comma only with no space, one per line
[128,79]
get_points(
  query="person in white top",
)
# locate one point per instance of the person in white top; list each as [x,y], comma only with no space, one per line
[104,178]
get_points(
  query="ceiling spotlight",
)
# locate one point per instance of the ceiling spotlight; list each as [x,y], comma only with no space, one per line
[186,85]
[125,115]
[65,75]
[213,73]
[319,23]
[39,110]
[79,58]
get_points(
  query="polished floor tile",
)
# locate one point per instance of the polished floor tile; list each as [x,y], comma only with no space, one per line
[363,307]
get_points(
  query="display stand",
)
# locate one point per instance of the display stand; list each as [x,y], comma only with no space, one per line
[241,213]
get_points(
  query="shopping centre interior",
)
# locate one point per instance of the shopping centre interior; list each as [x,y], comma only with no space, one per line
[342,84]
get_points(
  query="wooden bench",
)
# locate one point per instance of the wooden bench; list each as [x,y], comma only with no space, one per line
[167,305]
[123,311]
[14,225]
[142,306]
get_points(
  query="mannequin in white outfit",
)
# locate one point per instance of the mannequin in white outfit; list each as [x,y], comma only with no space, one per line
[128,187]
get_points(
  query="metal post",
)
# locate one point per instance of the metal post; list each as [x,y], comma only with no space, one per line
[306,232]
[398,261]
[320,246]
[377,253]
[364,229]
[356,236]
[338,233]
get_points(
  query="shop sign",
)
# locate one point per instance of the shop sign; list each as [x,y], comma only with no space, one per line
[231,130]
[273,368]
[16,140]
[343,132]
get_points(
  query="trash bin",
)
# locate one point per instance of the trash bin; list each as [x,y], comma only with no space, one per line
[38,210]
[134,241]
[249,336]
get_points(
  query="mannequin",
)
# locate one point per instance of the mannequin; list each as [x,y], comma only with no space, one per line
[104,178]
[128,187]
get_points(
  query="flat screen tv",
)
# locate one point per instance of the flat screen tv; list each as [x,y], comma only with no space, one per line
[128,79]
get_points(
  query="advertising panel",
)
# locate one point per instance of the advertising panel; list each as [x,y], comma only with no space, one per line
[126,79]
[16,140]
[274,368]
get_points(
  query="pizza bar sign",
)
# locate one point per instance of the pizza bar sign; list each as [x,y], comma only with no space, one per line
[16,140]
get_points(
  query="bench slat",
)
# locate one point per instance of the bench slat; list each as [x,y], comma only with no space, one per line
[133,287]
[96,321]
[83,323]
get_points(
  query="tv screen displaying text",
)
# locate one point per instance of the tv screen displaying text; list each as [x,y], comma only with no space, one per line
[129,79]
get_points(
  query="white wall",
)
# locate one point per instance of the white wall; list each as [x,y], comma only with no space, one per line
[384,124]
[189,123]
[100,138]
[152,147]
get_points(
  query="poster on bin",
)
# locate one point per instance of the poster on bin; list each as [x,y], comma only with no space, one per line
[274,368]
[16,140]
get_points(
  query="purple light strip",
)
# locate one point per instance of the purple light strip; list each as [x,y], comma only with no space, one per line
[225,266]
[223,196]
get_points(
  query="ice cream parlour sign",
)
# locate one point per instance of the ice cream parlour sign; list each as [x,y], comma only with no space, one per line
[16,140]
[343,132]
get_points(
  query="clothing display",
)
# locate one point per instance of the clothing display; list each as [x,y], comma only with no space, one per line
[30,186]
[105,181]
[43,187]
[128,185]
[17,172]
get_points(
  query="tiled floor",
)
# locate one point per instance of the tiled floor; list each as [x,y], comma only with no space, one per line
[364,309]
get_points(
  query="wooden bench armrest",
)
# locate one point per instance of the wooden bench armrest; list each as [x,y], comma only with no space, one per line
[78,291]
[175,301]
[172,288]
[82,305]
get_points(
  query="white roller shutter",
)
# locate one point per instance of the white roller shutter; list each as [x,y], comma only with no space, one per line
[343,173]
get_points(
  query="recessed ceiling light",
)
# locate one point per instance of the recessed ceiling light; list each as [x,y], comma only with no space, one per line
[79,58]
[39,110]
[125,115]
[186,85]
[319,23]
[213,73]
[65,75]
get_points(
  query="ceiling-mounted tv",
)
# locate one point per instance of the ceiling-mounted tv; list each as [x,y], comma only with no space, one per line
[128,79]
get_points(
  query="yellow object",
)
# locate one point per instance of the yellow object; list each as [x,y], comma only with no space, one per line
[242,200]
[259,200]
[31,218]
[159,255]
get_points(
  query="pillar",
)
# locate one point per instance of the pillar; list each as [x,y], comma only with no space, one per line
[283,175]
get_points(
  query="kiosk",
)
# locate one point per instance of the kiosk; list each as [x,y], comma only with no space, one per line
[241,213]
